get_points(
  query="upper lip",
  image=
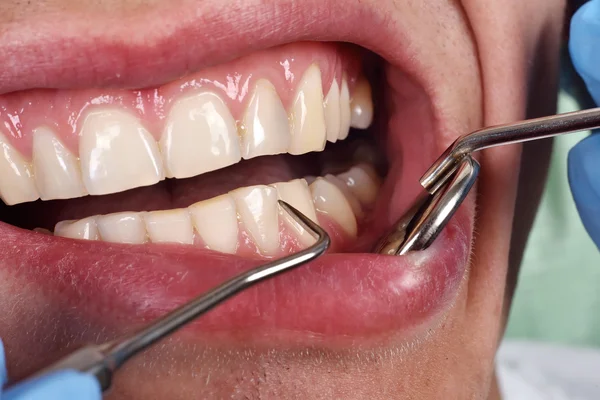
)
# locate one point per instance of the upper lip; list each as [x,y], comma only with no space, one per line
[134,53]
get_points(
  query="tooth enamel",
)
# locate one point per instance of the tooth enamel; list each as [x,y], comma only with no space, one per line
[363,182]
[171,226]
[332,112]
[297,194]
[345,113]
[16,179]
[216,223]
[84,229]
[200,136]
[258,211]
[361,105]
[330,200]
[352,200]
[117,153]
[308,115]
[56,170]
[265,126]
[125,227]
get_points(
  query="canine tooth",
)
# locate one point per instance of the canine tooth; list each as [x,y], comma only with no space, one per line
[265,124]
[56,169]
[308,115]
[345,114]
[216,223]
[363,182]
[330,200]
[125,227]
[200,136]
[332,112]
[297,194]
[85,229]
[352,200]
[361,105]
[16,179]
[258,210]
[117,153]
[170,226]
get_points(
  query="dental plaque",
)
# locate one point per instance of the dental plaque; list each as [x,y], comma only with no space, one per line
[201,161]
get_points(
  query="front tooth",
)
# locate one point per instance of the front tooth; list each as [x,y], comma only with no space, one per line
[85,229]
[171,226]
[200,136]
[56,170]
[361,105]
[308,115]
[258,210]
[332,112]
[265,126]
[297,194]
[125,227]
[330,200]
[117,153]
[345,114]
[16,179]
[353,201]
[216,223]
[363,182]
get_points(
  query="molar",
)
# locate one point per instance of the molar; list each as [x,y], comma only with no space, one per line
[332,112]
[56,169]
[345,113]
[361,106]
[297,194]
[265,126]
[216,223]
[258,210]
[170,226]
[329,200]
[85,229]
[308,114]
[117,153]
[16,178]
[124,227]
[200,136]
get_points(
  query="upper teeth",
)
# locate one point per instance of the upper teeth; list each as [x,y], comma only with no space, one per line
[117,152]
[251,211]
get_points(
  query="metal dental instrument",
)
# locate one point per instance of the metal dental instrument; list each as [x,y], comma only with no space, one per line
[448,181]
[103,360]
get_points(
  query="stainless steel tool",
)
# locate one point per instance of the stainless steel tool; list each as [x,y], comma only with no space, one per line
[103,360]
[448,181]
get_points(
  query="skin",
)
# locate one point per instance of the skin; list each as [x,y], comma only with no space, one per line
[501,57]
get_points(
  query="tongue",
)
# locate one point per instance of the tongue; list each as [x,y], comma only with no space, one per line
[169,194]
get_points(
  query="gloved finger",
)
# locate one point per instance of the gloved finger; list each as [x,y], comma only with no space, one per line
[63,385]
[584,179]
[3,373]
[584,45]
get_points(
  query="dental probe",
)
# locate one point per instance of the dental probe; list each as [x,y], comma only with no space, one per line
[103,360]
[448,181]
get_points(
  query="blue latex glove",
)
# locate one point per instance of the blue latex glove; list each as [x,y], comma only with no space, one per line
[64,385]
[584,158]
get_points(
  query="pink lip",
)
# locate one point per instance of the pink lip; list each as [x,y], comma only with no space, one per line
[339,294]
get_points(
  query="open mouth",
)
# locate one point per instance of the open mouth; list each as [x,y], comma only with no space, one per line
[136,200]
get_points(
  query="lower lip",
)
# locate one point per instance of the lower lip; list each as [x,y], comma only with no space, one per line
[337,295]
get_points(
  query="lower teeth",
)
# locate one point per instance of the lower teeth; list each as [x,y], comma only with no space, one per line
[244,220]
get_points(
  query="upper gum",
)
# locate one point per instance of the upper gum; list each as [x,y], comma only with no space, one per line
[64,110]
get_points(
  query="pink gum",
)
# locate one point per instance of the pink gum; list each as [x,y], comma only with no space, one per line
[64,110]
